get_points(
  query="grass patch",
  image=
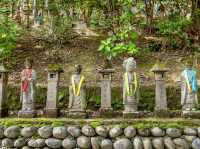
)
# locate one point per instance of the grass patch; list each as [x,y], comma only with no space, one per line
[137,123]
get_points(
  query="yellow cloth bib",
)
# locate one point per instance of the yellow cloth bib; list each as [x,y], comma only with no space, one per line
[187,82]
[77,90]
[129,89]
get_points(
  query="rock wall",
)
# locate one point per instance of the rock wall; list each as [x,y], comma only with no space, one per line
[101,137]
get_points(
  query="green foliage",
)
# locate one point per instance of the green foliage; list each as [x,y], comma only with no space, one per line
[174,31]
[123,42]
[146,101]
[95,124]
[172,26]
[9,32]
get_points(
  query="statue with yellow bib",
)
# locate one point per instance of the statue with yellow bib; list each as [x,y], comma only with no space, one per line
[130,87]
[77,92]
[189,87]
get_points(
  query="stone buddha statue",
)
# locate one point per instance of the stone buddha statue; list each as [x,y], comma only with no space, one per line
[28,87]
[189,88]
[77,92]
[130,86]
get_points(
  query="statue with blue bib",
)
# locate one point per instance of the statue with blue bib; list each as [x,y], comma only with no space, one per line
[189,87]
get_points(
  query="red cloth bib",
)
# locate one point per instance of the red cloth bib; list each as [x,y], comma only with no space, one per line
[27,73]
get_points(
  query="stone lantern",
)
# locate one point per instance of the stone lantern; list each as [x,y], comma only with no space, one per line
[3,91]
[160,91]
[106,89]
[52,92]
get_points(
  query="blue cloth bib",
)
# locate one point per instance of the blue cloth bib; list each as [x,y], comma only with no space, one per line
[192,78]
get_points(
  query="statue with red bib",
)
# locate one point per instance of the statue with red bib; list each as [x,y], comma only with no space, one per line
[28,86]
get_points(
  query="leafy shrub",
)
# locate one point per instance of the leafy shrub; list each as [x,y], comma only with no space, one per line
[122,42]
[173,31]
[9,31]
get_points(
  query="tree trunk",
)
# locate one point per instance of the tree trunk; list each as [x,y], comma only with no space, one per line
[27,14]
[149,7]
[12,9]
[34,11]
[196,15]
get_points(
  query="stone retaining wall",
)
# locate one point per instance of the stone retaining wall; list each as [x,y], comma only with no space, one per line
[101,137]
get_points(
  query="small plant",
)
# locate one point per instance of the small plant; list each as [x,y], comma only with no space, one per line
[122,42]
[55,67]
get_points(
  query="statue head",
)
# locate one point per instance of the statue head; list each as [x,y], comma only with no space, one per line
[189,64]
[28,63]
[129,64]
[78,69]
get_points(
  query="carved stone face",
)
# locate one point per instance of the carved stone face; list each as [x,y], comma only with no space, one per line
[28,64]
[189,66]
[129,64]
[78,69]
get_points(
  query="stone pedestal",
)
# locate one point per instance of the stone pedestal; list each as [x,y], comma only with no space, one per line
[191,114]
[76,114]
[160,91]
[106,90]
[27,114]
[52,94]
[3,91]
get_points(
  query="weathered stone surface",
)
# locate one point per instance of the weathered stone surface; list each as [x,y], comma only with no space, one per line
[1,132]
[198,131]
[196,144]
[96,142]
[147,143]
[101,131]
[60,132]
[36,143]
[137,143]
[52,93]
[84,142]
[190,132]
[144,132]
[157,132]
[106,144]
[181,144]
[26,147]
[45,148]
[12,132]
[123,143]
[0,143]
[20,142]
[106,89]
[28,132]
[45,131]
[53,143]
[87,130]
[189,139]
[74,131]
[173,132]
[69,143]
[115,132]
[130,132]
[158,143]
[169,144]
[7,143]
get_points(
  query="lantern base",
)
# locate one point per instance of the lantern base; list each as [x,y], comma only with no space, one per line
[51,113]
[162,113]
